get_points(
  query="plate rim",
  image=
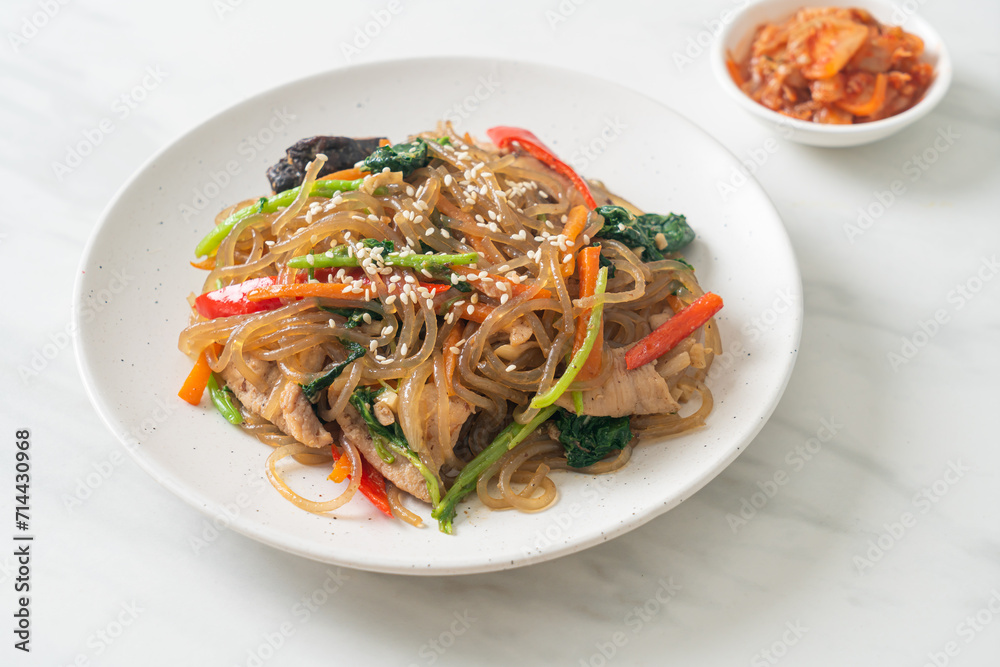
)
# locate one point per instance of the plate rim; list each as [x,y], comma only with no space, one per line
[264,533]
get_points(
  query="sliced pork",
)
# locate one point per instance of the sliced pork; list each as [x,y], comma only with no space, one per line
[293,414]
[637,392]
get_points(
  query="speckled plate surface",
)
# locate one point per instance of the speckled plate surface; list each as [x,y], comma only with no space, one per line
[130,299]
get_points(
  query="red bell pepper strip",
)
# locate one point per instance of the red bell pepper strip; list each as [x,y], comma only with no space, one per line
[232,300]
[503,136]
[372,484]
[260,294]
[666,336]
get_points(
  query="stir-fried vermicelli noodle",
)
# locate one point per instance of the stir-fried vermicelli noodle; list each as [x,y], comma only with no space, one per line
[446,316]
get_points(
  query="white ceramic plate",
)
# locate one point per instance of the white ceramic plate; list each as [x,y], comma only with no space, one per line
[135,276]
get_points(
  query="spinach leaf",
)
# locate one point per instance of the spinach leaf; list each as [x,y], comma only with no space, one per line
[373,243]
[588,439]
[406,158]
[642,231]
[363,399]
[354,352]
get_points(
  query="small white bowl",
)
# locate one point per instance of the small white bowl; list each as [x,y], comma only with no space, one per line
[739,29]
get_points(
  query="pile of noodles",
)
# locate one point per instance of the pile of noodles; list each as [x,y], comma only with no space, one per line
[518,194]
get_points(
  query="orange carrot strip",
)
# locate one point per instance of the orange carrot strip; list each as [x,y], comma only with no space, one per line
[575,222]
[451,358]
[351,174]
[194,386]
[206,264]
[480,311]
[301,290]
[590,264]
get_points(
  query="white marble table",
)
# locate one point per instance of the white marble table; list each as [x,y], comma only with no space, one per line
[869,531]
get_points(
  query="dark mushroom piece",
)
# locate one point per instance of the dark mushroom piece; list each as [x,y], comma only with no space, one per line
[341,152]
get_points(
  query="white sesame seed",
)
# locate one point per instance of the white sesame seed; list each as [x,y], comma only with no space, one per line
[410,191]
[454,350]
[512,367]
[430,303]
[504,298]
[402,350]
[471,309]
[373,346]
[474,298]
[447,180]
[367,318]
[389,300]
